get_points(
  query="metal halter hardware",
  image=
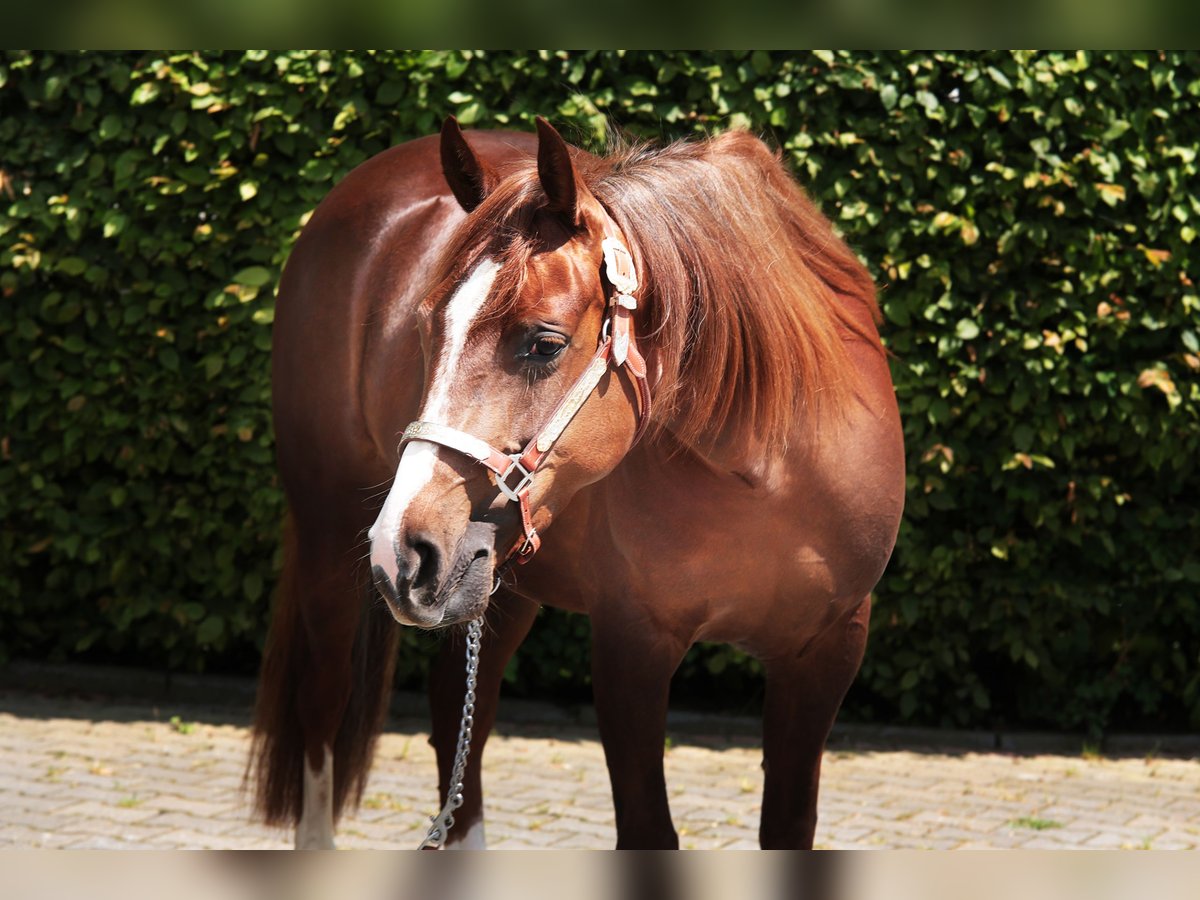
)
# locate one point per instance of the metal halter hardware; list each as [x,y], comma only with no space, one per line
[514,493]
[617,348]
[441,824]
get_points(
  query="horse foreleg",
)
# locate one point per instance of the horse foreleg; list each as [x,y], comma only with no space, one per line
[507,621]
[803,696]
[632,665]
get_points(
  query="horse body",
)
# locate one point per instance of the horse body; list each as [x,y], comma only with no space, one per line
[772,543]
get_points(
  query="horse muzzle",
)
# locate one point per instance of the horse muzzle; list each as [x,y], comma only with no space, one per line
[434,584]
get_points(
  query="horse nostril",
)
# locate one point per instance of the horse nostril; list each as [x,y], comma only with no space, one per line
[424,562]
[424,554]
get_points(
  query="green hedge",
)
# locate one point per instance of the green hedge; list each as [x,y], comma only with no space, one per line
[1029,217]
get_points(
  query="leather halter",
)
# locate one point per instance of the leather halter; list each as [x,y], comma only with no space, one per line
[617,348]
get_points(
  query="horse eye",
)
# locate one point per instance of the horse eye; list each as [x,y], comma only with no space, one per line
[544,347]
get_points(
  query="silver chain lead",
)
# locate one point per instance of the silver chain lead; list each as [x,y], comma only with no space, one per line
[444,821]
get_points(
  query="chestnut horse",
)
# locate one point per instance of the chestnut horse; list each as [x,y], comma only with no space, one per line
[668,355]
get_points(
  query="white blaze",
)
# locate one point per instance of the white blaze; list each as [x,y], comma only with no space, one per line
[417,461]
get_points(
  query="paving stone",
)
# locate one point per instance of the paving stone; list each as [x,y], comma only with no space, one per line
[1160,843]
[742,843]
[36,785]
[193,806]
[202,824]
[113,812]
[40,804]
[1111,841]
[605,834]
[45,840]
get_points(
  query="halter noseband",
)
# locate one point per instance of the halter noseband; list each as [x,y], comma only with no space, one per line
[513,472]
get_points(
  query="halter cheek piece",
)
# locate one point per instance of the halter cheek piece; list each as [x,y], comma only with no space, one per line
[513,472]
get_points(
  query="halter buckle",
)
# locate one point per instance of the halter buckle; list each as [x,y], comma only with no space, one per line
[527,548]
[514,493]
[618,266]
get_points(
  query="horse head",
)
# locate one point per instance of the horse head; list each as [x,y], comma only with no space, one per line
[526,334]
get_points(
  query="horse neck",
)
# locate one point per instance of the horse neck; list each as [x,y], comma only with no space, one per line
[755,463]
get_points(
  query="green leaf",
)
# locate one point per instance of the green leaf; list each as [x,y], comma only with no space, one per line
[252,586]
[470,114]
[966,329]
[114,223]
[317,170]
[194,611]
[144,93]
[1117,128]
[210,630]
[253,276]
[1023,437]
[110,127]
[127,163]
[389,93]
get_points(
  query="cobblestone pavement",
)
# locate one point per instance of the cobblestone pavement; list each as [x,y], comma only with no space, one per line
[90,774]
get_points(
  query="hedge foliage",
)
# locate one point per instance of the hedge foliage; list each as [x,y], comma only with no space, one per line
[1029,217]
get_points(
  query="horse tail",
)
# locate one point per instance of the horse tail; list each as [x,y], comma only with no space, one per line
[373,667]
[276,763]
[277,744]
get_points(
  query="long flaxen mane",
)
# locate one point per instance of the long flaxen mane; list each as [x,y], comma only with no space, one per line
[748,295]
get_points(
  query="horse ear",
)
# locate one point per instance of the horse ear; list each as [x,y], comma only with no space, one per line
[557,173]
[469,177]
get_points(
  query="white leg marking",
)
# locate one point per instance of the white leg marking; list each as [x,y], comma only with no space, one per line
[472,839]
[315,831]
[417,461]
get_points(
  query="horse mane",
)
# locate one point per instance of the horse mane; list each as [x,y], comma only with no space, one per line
[748,295]
[746,287]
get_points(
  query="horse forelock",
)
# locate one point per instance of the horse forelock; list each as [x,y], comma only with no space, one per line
[502,230]
[748,295]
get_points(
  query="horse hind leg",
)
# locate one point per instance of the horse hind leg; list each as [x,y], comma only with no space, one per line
[803,696]
[506,623]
